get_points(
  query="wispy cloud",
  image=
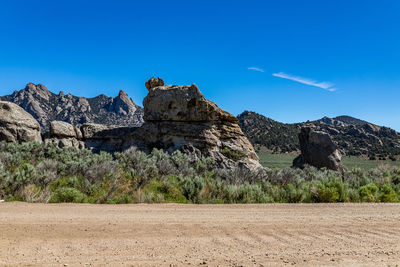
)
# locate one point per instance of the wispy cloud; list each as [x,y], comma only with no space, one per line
[255,69]
[324,85]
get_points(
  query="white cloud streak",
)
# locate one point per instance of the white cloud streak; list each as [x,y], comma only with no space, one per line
[255,69]
[324,85]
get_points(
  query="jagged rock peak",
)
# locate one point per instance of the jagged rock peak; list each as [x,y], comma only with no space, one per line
[122,93]
[37,90]
[153,82]
[123,104]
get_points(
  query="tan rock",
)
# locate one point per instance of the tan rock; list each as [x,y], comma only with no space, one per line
[178,117]
[153,82]
[62,129]
[95,131]
[318,150]
[182,103]
[17,125]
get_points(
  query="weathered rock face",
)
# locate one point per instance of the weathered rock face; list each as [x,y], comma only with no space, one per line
[109,138]
[184,104]
[64,134]
[318,150]
[17,125]
[63,129]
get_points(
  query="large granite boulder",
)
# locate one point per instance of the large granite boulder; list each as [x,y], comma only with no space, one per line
[64,129]
[182,104]
[178,117]
[17,125]
[318,150]
[64,134]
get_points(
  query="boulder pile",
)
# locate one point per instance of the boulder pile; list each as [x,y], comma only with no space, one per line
[64,134]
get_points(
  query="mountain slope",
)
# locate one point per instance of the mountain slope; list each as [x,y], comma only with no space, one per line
[263,131]
[353,136]
[46,106]
[350,120]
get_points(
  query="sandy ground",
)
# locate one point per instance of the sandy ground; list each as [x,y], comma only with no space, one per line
[209,235]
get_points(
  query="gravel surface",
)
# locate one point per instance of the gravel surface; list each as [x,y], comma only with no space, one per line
[208,235]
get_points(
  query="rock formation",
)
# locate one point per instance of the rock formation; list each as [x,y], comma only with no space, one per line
[153,82]
[110,138]
[63,129]
[46,106]
[64,134]
[318,150]
[180,117]
[176,118]
[17,125]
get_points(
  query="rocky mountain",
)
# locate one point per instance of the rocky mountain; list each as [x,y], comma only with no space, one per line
[46,106]
[352,136]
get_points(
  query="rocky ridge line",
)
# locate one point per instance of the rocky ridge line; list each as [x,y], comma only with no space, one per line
[46,106]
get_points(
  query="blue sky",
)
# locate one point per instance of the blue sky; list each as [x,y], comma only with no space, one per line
[288,60]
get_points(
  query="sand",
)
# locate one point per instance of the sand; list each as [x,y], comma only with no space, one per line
[208,235]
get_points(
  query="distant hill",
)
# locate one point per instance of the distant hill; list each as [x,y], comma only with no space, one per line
[353,136]
[350,120]
[46,106]
[263,131]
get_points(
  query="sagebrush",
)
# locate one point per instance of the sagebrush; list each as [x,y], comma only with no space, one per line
[36,172]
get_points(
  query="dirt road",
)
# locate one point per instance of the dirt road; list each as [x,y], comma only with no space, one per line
[175,235]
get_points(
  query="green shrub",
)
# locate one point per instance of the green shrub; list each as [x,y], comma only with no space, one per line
[67,194]
[387,194]
[233,154]
[294,194]
[41,172]
[368,193]
[247,193]
[191,188]
[122,199]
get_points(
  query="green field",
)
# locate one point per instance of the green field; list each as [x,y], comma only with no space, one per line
[280,161]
